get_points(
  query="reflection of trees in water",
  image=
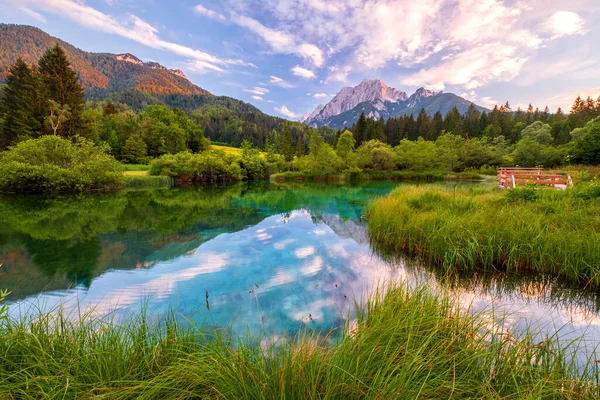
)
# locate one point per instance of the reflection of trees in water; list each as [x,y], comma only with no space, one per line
[83,236]
[77,258]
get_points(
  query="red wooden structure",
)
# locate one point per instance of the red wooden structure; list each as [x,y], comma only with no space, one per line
[509,178]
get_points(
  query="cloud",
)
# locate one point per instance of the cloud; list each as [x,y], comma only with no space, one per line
[258,98]
[200,9]
[338,74]
[364,36]
[259,91]
[319,95]
[303,72]
[276,81]
[565,99]
[130,27]
[564,23]
[283,110]
[472,68]
[280,41]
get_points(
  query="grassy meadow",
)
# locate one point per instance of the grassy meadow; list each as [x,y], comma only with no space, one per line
[487,229]
[404,344]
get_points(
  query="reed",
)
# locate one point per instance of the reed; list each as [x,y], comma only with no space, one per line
[486,229]
[405,343]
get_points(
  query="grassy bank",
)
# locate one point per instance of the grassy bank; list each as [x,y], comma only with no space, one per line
[405,345]
[148,182]
[406,175]
[470,229]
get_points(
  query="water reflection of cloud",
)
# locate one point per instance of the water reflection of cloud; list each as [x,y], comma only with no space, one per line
[304,252]
[306,272]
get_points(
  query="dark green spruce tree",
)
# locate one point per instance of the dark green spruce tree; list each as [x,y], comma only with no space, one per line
[360,130]
[20,105]
[60,83]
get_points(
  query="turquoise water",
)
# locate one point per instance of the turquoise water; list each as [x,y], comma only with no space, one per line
[274,259]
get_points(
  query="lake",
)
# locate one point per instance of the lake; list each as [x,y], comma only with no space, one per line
[274,260]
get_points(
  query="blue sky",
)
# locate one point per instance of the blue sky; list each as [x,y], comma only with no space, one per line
[287,56]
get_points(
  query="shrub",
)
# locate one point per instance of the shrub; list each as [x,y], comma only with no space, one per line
[209,166]
[54,164]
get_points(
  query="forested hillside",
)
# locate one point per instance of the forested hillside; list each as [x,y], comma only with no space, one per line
[123,79]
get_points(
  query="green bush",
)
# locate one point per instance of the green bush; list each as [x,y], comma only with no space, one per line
[209,166]
[54,164]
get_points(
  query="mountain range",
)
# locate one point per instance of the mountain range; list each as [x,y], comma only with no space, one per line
[377,100]
[126,79]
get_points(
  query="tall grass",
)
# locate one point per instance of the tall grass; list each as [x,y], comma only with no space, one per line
[469,229]
[405,344]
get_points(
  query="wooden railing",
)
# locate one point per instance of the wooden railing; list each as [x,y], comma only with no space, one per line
[512,177]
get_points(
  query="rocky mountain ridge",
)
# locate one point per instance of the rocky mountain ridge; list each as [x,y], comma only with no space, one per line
[377,100]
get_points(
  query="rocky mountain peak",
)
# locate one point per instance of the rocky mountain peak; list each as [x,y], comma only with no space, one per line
[419,95]
[349,97]
[130,58]
[178,72]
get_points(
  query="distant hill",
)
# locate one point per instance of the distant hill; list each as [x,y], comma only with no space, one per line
[101,74]
[377,100]
[124,78]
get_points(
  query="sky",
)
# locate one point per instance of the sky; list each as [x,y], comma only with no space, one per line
[288,56]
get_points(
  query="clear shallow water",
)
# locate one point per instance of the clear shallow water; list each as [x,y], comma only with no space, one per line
[274,259]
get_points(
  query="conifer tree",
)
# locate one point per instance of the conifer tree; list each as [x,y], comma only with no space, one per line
[20,105]
[60,84]
[360,129]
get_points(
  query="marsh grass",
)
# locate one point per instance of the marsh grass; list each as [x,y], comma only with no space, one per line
[405,343]
[486,229]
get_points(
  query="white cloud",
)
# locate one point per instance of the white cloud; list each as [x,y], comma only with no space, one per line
[276,81]
[472,68]
[200,9]
[564,23]
[364,36]
[130,27]
[283,110]
[258,98]
[259,91]
[303,72]
[319,95]
[280,41]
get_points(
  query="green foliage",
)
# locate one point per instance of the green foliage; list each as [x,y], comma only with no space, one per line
[523,193]
[53,164]
[60,86]
[20,105]
[540,132]
[530,153]
[3,308]
[209,166]
[376,155]
[135,151]
[253,165]
[587,146]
